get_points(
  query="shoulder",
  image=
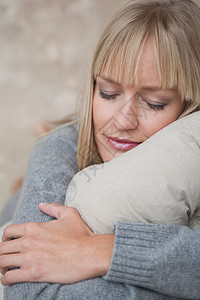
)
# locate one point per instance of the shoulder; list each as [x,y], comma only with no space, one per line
[66,131]
[63,138]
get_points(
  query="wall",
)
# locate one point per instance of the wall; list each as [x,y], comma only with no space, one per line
[45,49]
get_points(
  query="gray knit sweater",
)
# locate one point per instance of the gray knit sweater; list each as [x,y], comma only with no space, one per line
[149,261]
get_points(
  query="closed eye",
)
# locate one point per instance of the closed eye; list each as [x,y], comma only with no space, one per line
[156,106]
[107,96]
[152,105]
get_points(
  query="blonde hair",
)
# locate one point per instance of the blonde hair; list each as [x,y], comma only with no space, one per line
[174,27]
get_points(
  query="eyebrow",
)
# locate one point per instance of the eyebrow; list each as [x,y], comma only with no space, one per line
[109,80]
[151,88]
[156,89]
[147,88]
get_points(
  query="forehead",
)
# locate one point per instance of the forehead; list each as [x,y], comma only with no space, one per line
[148,72]
[145,71]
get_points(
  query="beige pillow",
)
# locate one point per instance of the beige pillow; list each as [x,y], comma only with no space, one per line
[156,182]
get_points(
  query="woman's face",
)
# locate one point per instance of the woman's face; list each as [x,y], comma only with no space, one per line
[125,116]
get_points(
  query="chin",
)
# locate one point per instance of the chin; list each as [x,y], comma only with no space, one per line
[106,157]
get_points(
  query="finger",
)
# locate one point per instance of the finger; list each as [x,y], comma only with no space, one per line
[55,210]
[12,246]
[13,232]
[4,270]
[10,261]
[14,276]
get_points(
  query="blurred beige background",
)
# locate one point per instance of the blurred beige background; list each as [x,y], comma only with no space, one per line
[45,48]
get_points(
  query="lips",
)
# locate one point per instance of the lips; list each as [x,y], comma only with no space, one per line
[121,144]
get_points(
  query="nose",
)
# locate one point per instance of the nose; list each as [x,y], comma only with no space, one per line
[126,116]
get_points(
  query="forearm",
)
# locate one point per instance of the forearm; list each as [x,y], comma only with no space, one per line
[85,290]
[37,188]
[158,257]
[51,166]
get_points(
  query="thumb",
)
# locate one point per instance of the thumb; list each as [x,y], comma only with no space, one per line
[55,210]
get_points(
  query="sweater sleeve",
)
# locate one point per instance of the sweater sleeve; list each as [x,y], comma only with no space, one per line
[162,258]
[51,166]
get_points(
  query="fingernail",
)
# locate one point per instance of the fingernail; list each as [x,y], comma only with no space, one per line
[43,203]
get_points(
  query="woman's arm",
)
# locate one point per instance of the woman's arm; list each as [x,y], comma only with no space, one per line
[159,257]
[144,262]
[49,162]
[52,165]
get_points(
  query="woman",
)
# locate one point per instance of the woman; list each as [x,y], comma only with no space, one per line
[144,75]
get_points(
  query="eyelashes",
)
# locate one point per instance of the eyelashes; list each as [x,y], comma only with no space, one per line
[156,106]
[149,104]
[106,96]
[152,105]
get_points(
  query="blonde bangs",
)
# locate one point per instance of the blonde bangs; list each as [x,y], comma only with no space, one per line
[121,63]
[176,63]
[172,62]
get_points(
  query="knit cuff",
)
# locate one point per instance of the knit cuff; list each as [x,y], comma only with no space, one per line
[135,252]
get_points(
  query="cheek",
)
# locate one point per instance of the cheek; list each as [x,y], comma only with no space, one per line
[97,112]
[159,121]
[101,113]
[153,127]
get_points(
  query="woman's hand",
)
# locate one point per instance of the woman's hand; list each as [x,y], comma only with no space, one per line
[60,251]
